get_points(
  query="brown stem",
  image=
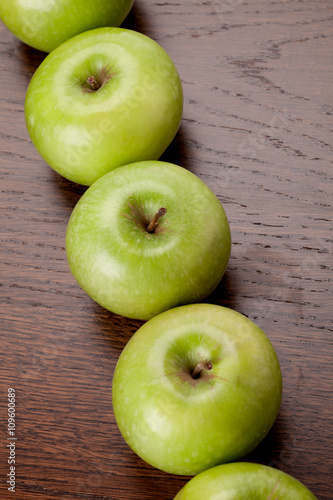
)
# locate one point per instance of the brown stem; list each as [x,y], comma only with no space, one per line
[92,82]
[201,366]
[154,223]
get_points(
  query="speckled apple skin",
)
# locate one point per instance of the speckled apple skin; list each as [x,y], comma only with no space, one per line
[182,426]
[46,24]
[132,272]
[244,481]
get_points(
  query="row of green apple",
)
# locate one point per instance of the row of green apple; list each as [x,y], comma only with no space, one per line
[197,385]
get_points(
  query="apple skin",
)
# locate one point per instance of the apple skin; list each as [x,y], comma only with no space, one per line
[135,273]
[134,116]
[244,481]
[184,425]
[46,24]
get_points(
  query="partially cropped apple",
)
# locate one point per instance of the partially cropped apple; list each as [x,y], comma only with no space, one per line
[244,481]
[196,386]
[103,99]
[45,24]
[147,237]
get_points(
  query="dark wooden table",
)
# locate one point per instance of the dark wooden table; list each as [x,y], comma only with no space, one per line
[257,79]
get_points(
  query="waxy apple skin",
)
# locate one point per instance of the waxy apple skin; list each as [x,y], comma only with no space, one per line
[135,273]
[83,134]
[46,24]
[184,425]
[244,481]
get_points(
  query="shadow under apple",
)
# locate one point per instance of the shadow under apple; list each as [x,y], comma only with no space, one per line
[138,20]
[268,452]
[178,151]
[113,328]
[226,293]
[30,59]
[69,191]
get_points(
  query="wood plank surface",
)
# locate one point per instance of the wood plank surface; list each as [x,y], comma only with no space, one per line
[257,129]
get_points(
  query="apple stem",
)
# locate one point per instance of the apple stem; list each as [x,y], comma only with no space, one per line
[154,223]
[92,82]
[201,366]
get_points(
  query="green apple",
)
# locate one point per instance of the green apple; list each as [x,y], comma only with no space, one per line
[147,237]
[45,24]
[244,481]
[196,386]
[103,99]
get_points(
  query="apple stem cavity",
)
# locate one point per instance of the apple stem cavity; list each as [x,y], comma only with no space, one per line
[94,83]
[154,223]
[199,368]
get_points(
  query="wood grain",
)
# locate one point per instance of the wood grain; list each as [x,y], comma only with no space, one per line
[257,79]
